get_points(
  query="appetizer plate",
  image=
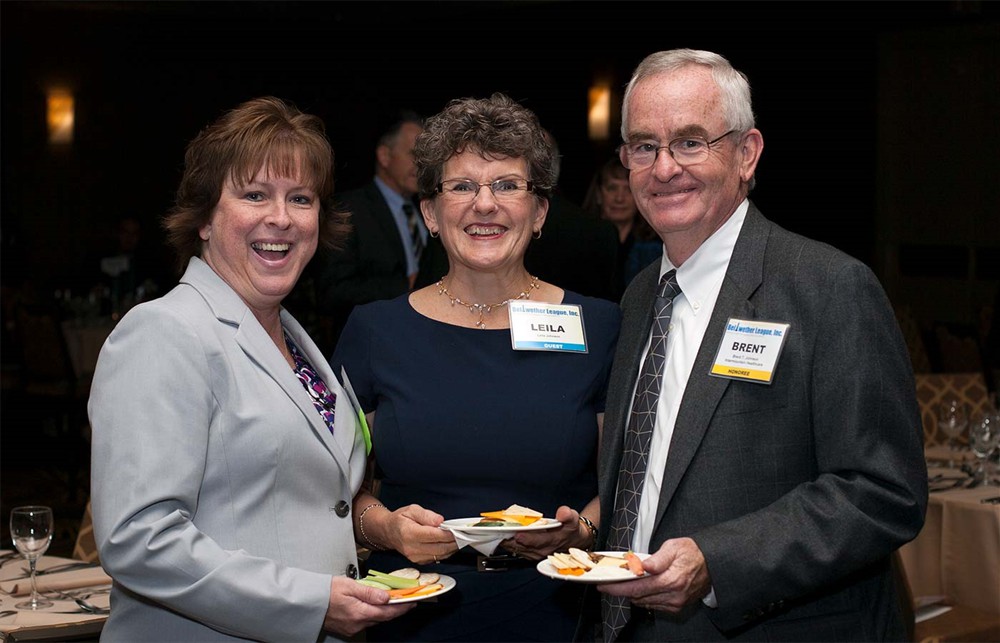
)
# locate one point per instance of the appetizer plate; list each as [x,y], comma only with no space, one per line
[596,576]
[447,582]
[465,525]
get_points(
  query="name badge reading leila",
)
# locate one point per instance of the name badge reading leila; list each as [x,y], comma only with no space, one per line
[546,327]
[749,350]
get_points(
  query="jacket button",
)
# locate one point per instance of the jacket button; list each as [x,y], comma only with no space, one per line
[352,571]
[342,508]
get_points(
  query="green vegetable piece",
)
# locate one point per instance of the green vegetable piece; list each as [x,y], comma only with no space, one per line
[394,582]
[370,582]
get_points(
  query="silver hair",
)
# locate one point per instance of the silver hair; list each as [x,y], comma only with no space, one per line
[734,87]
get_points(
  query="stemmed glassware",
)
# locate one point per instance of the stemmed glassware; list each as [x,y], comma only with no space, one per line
[984,438]
[31,531]
[952,420]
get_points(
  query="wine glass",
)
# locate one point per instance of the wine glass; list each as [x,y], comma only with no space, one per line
[984,438]
[31,531]
[952,420]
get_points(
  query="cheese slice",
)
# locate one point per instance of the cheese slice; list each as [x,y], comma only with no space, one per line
[516,513]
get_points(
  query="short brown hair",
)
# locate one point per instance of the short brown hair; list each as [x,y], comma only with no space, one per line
[261,131]
[494,127]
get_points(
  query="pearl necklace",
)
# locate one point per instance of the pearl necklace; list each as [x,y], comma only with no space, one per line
[483,309]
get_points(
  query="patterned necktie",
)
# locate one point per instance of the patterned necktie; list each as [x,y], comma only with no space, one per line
[412,222]
[616,610]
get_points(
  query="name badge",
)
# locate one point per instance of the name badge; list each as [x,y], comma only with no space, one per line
[546,327]
[749,350]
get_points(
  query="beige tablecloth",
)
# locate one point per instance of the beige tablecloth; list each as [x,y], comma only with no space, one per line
[49,621]
[957,554]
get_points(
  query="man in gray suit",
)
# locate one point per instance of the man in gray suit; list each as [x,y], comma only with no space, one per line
[772,460]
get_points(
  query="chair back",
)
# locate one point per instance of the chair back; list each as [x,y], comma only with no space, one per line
[934,388]
[85,548]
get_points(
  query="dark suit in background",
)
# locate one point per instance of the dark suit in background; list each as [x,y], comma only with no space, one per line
[370,267]
[575,251]
[374,263]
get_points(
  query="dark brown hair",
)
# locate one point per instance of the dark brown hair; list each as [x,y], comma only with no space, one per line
[263,131]
[495,127]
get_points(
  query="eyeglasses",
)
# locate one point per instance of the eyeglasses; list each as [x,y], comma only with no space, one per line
[464,190]
[686,150]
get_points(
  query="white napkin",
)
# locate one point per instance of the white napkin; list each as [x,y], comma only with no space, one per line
[485,544]
[58,581]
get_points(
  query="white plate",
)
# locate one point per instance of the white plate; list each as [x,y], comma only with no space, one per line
[593,576]
[447,582]
[465,525]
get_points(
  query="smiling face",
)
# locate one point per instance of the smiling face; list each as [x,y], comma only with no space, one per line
[261,236]
[685,205]
[485,234]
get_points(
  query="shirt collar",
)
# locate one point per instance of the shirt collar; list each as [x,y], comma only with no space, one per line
[392,198]
[703,271]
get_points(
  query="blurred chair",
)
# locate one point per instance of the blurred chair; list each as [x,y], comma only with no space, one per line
[934,388]
[55,396]
[85,548]
[959,353]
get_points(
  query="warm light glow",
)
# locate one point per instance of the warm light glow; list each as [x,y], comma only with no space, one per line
[60,116]
[599,115]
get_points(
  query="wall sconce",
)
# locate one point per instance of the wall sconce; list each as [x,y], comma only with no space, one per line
[599,114]
[60,115]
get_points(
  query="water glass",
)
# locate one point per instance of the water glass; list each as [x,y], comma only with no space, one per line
[31,530]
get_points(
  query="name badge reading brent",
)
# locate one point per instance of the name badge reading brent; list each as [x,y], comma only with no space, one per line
[537,326]
[749,350]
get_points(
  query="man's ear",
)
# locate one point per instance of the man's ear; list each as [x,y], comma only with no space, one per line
[748,154]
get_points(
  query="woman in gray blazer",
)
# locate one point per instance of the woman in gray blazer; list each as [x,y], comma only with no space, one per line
[225,451]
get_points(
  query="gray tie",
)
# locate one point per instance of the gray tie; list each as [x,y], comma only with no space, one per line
[616,610]
[414,225]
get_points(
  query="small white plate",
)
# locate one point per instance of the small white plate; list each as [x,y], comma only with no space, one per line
[597,576]
[465,525]
[447,582]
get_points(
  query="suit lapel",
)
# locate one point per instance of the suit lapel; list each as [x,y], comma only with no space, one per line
[257,345]
[703,391]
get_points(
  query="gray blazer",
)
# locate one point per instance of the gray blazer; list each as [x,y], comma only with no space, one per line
[796,492]
[217,487]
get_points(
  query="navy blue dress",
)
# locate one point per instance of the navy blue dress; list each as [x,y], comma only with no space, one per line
[466,424]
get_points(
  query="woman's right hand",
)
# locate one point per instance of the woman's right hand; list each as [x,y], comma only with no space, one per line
[414,532]
[354,607]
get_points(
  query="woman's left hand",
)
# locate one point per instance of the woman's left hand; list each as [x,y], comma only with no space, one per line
[536,545]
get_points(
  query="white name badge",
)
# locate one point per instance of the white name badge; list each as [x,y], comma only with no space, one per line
[546,327]
[749,350]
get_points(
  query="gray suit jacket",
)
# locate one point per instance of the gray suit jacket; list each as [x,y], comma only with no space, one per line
[216,483]
[796,492]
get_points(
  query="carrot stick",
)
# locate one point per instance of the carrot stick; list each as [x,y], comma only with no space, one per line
[405,591]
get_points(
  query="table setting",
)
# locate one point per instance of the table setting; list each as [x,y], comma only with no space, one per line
[47,597]
[955,560]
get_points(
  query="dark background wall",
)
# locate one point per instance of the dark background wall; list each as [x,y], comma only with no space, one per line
[147,75]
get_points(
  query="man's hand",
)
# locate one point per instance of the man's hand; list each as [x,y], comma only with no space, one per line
[676,576]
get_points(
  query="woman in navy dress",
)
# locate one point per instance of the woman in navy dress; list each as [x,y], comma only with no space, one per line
[463,423]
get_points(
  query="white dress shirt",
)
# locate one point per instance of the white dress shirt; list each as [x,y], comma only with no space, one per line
[700,279]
